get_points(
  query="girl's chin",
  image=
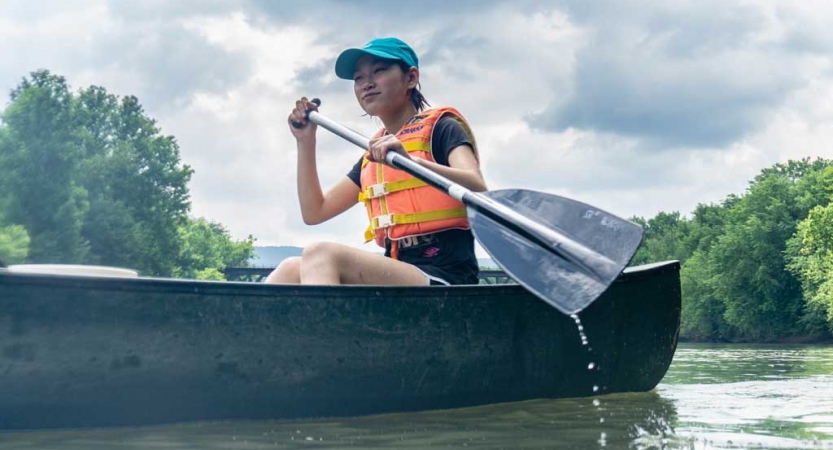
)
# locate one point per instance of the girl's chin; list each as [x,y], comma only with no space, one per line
[371,109]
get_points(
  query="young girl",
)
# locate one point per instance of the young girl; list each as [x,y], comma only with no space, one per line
[425,233]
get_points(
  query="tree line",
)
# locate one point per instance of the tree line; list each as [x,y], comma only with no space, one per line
[757,266]
[87,178]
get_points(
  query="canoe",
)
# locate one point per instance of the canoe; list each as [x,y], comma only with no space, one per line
[96,351]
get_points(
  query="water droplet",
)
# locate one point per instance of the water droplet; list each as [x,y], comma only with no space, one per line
[591,366]
[595,389]
[580,327]
[596,402]
[601,420]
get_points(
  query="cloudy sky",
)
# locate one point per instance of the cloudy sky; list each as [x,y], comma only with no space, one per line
[634,106]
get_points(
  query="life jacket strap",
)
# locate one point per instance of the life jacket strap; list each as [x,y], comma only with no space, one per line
[417,146]
[387,220]
[382,189]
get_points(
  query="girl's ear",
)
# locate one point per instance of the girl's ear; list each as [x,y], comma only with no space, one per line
[413,77]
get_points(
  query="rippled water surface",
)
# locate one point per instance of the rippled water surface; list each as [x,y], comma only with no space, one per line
[713,397]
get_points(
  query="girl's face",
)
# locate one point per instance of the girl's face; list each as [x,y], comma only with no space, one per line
[381,87]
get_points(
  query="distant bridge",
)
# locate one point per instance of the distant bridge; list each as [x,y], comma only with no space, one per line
[257,274]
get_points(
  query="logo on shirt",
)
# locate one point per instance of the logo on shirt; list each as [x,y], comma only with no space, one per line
[431,252]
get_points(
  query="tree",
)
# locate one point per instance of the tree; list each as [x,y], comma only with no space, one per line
[14,239]
[38,158]
[702,316]
[138,190]
[14,244]
[90,177]
[734,255]
[708,223]
[810,256]
[762,300]
[664,238]
[208,249]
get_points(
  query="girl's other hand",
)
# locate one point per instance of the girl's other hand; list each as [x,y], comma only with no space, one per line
[379,148]
[299,125]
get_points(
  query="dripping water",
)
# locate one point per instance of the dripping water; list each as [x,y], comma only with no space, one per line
[591,367]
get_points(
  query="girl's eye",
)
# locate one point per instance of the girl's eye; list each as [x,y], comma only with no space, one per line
[357,79]
[380,69]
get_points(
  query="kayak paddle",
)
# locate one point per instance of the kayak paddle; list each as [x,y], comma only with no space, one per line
[564,251]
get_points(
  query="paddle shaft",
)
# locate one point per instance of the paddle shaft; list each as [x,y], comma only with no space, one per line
[588,261]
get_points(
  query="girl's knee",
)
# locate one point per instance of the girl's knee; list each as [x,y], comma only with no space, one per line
[288,271]
[320,251]
[290,264]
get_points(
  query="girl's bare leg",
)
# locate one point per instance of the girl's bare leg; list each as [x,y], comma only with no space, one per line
[327,263]
[287,272]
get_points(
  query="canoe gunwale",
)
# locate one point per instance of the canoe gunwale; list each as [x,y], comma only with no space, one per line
[200,287]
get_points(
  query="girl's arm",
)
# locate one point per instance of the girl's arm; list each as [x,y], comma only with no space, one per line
[462,168]
[316,207]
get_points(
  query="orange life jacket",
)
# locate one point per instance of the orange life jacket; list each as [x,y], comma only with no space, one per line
[400,205]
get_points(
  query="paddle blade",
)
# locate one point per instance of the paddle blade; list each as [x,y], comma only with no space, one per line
[540,268]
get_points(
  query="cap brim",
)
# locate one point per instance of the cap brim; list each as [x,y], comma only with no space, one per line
[346,62]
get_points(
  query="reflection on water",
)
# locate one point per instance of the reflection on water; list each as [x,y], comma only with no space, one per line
[712,398]
[755,396]
[700,363]
[569,423]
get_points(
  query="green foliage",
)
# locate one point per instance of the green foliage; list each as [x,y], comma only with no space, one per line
[736,255]
[702,311]
[669,236]
[762,300]
[810,255]
[139,195]
[14,239]
[90,178]
[664,238]
[39,160]
[210,273]
[207,249]
[14,244]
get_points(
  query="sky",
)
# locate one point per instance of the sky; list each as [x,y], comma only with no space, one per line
[633,106]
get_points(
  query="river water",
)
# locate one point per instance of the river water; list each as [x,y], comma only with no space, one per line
[713,397]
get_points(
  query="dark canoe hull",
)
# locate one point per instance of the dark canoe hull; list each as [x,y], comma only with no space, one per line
[83,351]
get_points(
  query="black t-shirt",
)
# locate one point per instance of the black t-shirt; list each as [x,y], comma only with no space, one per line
[447,255]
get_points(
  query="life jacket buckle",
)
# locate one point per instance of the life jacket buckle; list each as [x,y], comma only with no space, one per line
[377,190]
[383,221]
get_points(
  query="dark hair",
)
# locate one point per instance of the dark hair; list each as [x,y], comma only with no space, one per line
[417,99]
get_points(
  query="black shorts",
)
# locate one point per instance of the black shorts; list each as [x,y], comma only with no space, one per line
[445,257]
[439,277]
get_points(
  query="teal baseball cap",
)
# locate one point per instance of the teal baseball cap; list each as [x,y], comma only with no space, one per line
[385,48]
